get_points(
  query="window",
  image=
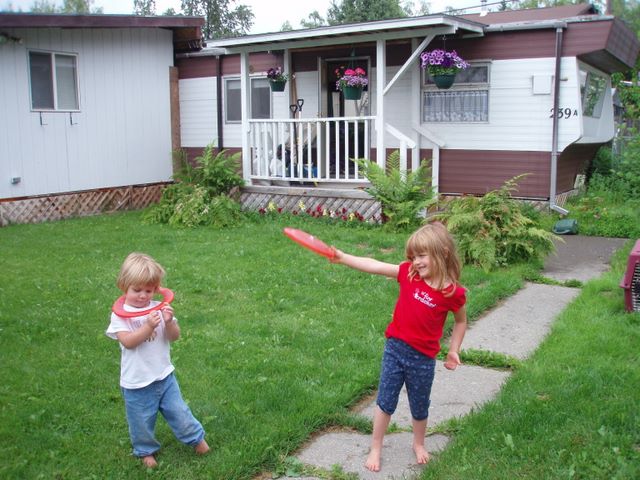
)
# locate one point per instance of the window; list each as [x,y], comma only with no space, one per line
[54,81]
[260,99]
[466,101]
[592,90]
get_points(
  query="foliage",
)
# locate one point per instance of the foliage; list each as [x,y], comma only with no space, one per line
[202,193]
[442,62]
[68,6]
[495,230]
[144,7]
[321,212]
[403,195]
[222,17]
[351,77]
[354,11]
[313,20]
[276,74]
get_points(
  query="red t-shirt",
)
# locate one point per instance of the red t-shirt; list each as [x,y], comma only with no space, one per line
[421,311]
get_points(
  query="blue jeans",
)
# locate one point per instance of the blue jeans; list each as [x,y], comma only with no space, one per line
[403,364]
[142,406]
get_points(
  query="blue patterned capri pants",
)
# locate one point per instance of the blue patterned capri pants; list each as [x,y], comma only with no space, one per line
[403,364]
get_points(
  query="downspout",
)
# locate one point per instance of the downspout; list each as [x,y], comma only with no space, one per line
[219,101]
[554,138]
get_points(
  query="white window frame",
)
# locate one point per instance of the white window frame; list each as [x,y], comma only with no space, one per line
[588,75]
[429,88]
[227,81]
[54,80]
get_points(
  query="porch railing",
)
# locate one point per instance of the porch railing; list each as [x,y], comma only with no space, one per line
[318,150]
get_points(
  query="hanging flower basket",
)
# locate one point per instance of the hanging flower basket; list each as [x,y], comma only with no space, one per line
[444,81]
[277,79]
[277,85]
[352,93]
[442,66]
[351,82]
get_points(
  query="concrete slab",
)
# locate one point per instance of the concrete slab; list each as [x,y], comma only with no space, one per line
[350,450]
[454,394]
[517,326]
[581,258]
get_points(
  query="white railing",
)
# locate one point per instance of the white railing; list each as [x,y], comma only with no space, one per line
[310,150]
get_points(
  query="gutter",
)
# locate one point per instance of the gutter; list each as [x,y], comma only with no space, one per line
[554,139]
[219,102]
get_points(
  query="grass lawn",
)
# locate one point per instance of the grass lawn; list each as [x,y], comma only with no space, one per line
[276,342]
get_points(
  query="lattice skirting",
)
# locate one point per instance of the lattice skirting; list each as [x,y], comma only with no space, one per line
[289,199]
[78,204]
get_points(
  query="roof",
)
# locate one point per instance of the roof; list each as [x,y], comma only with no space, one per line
[532,14]
[187,31]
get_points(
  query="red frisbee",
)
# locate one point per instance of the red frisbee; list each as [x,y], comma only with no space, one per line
[118,306]
[309,241]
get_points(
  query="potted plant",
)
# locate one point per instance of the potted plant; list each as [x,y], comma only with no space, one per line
[442,66]
[351,82]
[277,79]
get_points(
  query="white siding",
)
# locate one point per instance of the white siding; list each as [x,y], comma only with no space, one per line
[120,136]
[198,112]
[518,119]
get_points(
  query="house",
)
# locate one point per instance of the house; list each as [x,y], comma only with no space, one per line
[536,100]
[88,119]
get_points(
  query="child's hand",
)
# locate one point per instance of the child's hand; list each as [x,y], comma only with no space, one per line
[337,255]
[153,319]
[167,313]
[452,361]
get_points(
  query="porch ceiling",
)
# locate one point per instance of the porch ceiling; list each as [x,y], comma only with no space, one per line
[351,33]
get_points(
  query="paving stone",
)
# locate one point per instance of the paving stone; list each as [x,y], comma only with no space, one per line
[350,450]
[520,324]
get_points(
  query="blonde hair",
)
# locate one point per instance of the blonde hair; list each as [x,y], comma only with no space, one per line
[435,241]
[139,269]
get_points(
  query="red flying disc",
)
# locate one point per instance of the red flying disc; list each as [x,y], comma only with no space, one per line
[309,241]
[118,306]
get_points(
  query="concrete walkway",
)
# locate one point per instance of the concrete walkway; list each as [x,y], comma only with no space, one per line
[516,328]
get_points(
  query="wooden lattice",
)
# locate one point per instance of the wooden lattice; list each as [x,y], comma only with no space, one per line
[78,204]
[290,199]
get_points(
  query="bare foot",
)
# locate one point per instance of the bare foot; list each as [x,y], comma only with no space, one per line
[422,456]
[373,461]
[149,461]
[201,448]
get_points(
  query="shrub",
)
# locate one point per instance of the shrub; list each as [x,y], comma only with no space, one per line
[203,194]
[495,229]
[403,195]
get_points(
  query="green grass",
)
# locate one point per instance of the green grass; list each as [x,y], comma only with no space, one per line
[572,411]
[276,342]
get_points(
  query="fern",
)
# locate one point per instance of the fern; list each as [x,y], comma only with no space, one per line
[402,195]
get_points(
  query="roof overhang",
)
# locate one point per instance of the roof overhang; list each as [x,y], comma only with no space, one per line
[187,31]
[394,29]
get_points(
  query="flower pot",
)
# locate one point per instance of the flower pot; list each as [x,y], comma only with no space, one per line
[352,93]
[444,81]
[277,85]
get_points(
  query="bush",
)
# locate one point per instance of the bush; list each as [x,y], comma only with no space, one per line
[203,194]
[403,195]
[495,229]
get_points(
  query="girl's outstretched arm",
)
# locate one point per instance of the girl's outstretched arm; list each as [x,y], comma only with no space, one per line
[365,264]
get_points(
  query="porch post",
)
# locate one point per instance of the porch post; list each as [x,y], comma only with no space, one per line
[381,79]
[244,112]
[415,107]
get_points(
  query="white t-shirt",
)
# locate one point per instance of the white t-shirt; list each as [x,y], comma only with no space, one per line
[148,362]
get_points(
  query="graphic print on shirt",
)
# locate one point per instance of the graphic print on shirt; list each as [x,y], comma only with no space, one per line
[423,297]
[138,324]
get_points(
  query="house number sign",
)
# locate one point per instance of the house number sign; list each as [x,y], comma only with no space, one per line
[564,113]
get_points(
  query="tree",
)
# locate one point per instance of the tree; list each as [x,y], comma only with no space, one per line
[144,7]
[354,11]
[221,19]
[69,6]
[286,26]
[314,20]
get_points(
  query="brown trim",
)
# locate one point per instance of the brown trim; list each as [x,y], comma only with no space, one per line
[74,192]
[36,20]
[174,106]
